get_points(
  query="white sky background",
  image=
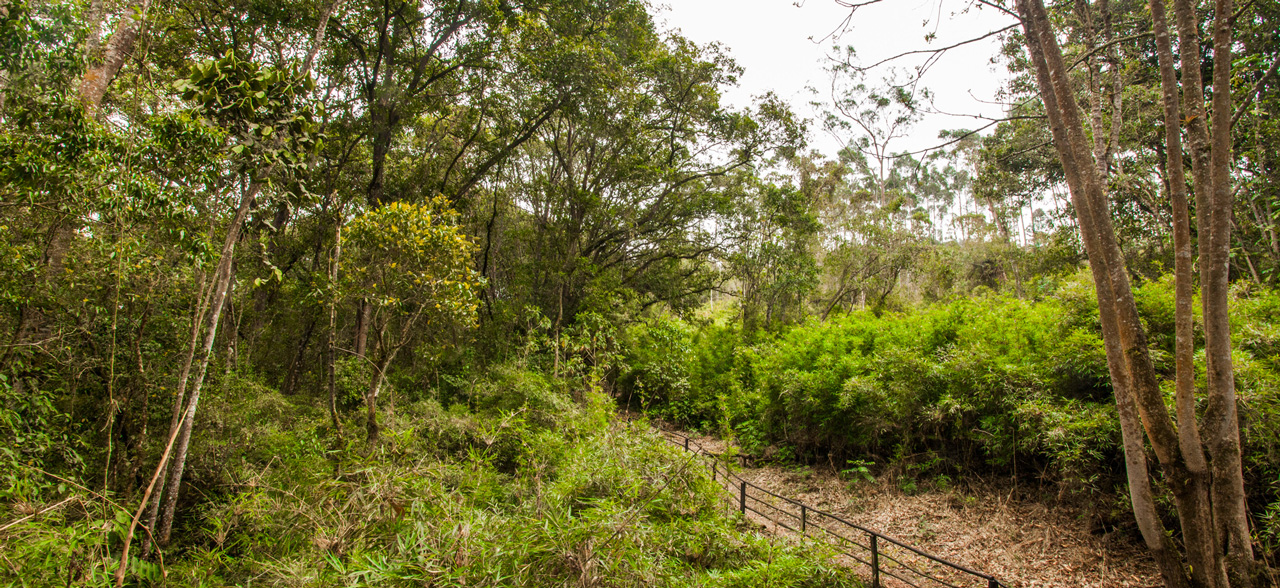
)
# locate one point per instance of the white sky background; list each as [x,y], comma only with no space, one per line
[771,41]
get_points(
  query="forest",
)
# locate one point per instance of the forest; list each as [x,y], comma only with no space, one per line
[392,292]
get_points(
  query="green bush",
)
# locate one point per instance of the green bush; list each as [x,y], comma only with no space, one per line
[987,383]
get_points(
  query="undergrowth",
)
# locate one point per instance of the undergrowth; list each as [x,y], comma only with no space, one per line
[525,487]
[985,385]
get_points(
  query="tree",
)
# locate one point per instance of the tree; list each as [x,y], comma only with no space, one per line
[1205,476]
[876,116]
[619,194]
[271,127]
[415,270]
[775,237]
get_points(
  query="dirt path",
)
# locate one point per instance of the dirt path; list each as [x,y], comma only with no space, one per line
[1022,543]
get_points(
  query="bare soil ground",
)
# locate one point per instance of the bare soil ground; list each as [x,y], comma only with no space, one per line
[989,528]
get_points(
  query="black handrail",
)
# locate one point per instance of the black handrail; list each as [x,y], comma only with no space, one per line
[740,495]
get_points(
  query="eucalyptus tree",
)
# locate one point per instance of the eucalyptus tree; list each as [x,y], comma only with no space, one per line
[1200,458]
[773,256]
[872,119]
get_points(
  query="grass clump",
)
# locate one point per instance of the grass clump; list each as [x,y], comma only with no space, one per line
[525,487]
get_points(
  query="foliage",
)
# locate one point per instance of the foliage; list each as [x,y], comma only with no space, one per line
[265,109]
[418,261]
[529,488]
[502,210]
[984,383]
[33,431]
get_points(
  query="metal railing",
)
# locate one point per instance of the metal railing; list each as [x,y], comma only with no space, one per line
[893,563]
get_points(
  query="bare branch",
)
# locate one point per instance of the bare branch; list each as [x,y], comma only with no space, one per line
[935,52]
[1103,46]
[1255,90]
[1001,9]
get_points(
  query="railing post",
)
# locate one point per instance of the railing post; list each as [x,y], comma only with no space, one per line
[875,562]
[992,583]
[713,471]
[686,443]
[804,519]
[742,497]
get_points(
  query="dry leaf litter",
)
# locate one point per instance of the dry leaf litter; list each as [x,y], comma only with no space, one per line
[1022,543]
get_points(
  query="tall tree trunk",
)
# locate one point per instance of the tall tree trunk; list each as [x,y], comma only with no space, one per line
[334,262]
[1221,421]
[1211,167]
[179,398]
[94,84]
[1202,548]
[221,285]
[218,285]
[385,120]
[1128,358]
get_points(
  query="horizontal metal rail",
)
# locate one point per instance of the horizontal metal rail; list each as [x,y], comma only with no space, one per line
[741,492]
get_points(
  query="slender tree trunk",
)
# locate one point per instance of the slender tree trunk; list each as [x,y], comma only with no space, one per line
[1211,167]
[1132,375]
[137,425]
[371,397]
[386,352]
[300,356]
[222,284]
[1202,547]
[1265,225]
[1271,229]
[364,315]
[334,263]
[217,287]
[1248,260]
[385,120]
[1084,13]
[179,398]
[230,334]
[1221,422]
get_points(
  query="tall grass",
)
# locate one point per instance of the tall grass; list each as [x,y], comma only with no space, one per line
[525,487]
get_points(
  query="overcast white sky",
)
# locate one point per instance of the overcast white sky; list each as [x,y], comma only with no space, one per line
[771,40]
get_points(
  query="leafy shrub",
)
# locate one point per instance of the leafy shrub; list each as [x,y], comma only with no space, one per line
[985,383]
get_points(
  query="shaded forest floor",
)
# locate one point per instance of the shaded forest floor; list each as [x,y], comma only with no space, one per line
[991,527]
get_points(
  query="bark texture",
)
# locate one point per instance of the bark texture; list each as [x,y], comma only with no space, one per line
[221,286]
[1209,500]
[1202,548]
[119,48]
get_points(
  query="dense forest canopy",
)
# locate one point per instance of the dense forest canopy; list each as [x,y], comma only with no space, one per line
[255,255]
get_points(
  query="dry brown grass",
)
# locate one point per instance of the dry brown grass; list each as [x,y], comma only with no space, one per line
[1022,542]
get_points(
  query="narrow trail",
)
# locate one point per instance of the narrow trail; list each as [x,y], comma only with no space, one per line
[1023,543]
